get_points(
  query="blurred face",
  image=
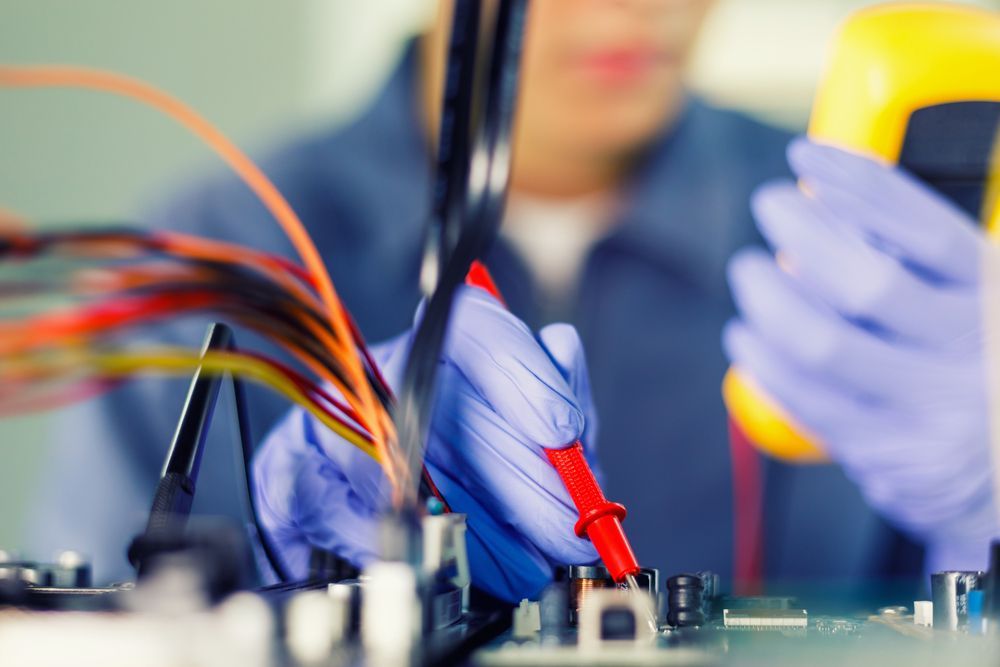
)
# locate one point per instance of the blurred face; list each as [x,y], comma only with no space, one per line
[600,79]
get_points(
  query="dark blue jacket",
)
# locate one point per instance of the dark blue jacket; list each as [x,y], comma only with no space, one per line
[652,305]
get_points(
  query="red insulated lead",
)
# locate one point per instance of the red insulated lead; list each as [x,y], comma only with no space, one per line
[600,519]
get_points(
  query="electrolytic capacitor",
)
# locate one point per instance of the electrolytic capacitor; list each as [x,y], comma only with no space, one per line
[950,590]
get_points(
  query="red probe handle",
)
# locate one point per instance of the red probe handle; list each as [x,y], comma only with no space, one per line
[600,520]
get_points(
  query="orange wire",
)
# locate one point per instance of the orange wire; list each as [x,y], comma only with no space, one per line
[77,77]
[11,221]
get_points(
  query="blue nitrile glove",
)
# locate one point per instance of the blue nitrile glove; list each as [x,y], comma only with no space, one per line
[867,329]
[502,396]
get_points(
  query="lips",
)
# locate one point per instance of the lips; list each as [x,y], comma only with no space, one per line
[624,65]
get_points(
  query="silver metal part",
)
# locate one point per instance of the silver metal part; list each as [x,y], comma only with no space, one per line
[950,590]
[648,604]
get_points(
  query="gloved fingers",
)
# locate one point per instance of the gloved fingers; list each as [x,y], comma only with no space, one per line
[897,457]
[501,359]
[503,561]
[303,497]
[565,349]
[330,515]
[503,470]
[824,410]
[363,471]
[905,484]
[816,339]
[901,212]
[275,468]
[853,277]
[365,474]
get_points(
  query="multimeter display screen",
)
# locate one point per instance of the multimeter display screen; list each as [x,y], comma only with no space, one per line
[950,146]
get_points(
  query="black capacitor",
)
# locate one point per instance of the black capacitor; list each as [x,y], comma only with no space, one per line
[554,611]
[685,600]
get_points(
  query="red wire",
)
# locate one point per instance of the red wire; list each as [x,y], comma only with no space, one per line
[311,388]
[80,391]
[109,315]
[748,513]
[363,348]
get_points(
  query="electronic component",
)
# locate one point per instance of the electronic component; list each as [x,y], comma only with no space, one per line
[765,619]
[685,601]
[611,616]
[950,591]
[70,570]
[391,618]
[975,622]
[315,622]
[554,610]
[582,581]
[923,613]
[992,589]
[446,562]
[527,620]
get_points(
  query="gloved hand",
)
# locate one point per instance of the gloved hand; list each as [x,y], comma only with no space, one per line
[502,396]
[867,329]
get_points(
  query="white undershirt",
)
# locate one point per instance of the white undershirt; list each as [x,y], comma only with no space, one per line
[554,238]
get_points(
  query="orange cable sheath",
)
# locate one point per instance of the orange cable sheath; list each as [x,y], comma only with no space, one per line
[11,220]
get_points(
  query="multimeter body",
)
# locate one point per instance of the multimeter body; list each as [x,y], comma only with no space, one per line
[913,84]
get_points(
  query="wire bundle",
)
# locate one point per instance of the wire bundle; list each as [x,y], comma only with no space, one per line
[69,298]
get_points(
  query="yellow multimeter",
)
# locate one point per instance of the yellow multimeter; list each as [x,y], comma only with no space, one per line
[916,84]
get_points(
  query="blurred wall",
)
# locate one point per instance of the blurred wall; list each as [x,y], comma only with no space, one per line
[765,56]
[264,70]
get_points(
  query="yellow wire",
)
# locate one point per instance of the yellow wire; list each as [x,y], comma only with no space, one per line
[180,361]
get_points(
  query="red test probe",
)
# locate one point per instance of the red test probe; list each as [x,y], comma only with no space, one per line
[600,520]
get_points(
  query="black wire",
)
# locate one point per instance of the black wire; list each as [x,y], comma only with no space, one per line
[454,135]
[480,211]
[250,284]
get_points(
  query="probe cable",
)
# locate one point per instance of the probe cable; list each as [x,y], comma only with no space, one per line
[473,204]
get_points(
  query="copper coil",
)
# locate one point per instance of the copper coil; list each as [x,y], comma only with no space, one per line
[579,589]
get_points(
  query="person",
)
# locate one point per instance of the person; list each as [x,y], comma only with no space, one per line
[629,196]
